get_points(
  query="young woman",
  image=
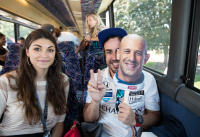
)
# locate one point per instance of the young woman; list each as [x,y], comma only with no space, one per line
[94,26]
[33,98]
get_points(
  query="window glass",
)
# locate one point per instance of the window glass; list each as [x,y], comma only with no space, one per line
[7,28]
[197,75]
[150,19]
[105,18]
[24,31]
[12,17]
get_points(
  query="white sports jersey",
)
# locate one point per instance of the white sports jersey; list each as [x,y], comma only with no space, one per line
[142,95]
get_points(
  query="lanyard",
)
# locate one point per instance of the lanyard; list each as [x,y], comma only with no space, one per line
[45,113]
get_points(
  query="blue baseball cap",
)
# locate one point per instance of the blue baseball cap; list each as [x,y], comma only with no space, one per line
[110,32]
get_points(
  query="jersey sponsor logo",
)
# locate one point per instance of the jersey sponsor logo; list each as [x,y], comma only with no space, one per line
[107,84]
[132,87]
[135,93]
[107,96]
[108,109]
[135,99]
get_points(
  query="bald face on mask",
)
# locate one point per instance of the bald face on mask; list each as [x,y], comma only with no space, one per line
[132,55]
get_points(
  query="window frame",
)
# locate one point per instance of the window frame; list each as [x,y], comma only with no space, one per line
[193,46]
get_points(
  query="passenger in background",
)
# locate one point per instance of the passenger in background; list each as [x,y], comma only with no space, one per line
[68,36]
[21,40]
[54,31]
[131,98]
[33,98]
[94,26]
[3,51]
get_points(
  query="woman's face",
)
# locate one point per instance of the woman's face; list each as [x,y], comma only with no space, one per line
[91,22]
[41,53]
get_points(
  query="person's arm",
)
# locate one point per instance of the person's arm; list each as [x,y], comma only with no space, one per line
[3,95]
[151,118]
[95,39]
[3,57]
[82,46]
[152,114]
[91,111]
[96,91]
[128,117]
[87,38]
[58,130]
[77,50]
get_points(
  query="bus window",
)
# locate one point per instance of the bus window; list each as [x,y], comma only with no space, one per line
[24,31]
[150,19]
[7,28]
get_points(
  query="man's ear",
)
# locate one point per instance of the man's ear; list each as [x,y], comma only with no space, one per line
[147,56]
[118,54]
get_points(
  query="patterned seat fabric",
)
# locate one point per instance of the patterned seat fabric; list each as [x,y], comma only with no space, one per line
[72,67]
[88,65]
[12,59]
[94,59]
[73,71]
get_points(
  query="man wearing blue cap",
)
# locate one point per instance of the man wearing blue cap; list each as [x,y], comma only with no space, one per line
[110,38]
[130,98]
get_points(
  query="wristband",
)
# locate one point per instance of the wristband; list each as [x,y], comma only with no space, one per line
[139,120]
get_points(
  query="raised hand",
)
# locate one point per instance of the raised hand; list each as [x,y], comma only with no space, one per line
[96,88]
[87,38]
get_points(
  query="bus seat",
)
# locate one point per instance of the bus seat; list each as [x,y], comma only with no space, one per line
[96,49]
[72,69]
[188,119]
[72,66]
[89,65]
[94,59]
[12,59]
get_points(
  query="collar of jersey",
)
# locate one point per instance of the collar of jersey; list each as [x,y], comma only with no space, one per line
[107,73]
[128,83]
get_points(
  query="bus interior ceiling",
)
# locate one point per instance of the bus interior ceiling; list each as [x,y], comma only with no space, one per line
[176,98]
[68,14]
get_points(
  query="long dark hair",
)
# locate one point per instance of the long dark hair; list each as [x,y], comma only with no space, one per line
[25,80]
[1,35]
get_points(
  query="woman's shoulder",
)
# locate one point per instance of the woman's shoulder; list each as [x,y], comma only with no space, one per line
[66,79]
[8,75]
[5,78]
